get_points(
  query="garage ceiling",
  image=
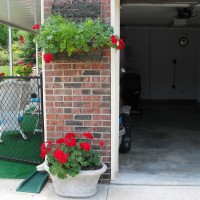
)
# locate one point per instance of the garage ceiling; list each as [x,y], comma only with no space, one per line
[157,14]
[22,14]
[159,1]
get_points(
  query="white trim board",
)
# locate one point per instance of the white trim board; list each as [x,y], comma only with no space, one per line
[115,22]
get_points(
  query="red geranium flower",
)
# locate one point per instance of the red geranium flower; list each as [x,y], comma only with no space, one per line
[21,38]
[70,135]
[113,39]
[48,57]
[2,74]
[60,141]
[36,27]
[88,135]
[102,143]
[85,146]
[61,156]
[70,142]
[44,149]
[121,44]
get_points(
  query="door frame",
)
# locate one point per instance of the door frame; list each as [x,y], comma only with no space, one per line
[115,74]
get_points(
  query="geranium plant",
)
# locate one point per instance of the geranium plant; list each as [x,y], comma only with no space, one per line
[24,69]
[69,156]
[58,34]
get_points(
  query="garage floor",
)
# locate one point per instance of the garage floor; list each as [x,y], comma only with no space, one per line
[165,146]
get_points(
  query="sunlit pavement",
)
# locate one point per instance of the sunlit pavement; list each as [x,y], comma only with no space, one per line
[106,192]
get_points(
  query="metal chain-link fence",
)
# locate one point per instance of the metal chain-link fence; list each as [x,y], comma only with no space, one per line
[21,119]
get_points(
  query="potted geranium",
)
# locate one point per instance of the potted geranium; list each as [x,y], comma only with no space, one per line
[23,69]
[58,34]
[74,166]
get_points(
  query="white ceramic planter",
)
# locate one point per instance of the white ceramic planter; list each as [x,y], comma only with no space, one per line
[83,185]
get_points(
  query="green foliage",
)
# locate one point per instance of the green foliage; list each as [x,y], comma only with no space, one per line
[62,35]
[3,36]
[79,159]
[4,57]
[24,70]
[6,70]
[21,51]
[27,50]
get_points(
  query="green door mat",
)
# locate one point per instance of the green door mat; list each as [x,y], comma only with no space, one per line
[15,170]
[34,183]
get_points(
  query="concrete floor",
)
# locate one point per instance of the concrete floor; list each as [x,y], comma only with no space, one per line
[105,192]
[165,146]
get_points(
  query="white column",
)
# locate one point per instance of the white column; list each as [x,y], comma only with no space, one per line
[115,22]
[36,53]
[10,50]
[10,40]
[43,79]
[36,46]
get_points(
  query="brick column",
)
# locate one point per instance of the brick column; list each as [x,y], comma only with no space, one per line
[78,96]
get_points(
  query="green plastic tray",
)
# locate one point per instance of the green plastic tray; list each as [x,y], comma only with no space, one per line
[34,183]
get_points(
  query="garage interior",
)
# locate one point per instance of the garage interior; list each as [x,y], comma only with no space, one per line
[163,48]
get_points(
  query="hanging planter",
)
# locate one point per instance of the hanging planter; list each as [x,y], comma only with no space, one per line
[59,35]
[92,54]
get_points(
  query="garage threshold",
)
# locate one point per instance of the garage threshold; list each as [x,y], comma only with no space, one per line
[128,177]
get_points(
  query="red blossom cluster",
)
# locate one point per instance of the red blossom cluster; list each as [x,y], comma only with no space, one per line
[45,149]
[119,43]
[102,143]
[29,64]
[21,63]
[61,156]
[36,27]
[2,74]
[70,142]
[85,146]
[88,135]
[47,57]
[21,39]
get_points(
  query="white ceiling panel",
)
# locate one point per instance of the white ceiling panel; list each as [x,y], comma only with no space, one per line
[23,13]
[155,14]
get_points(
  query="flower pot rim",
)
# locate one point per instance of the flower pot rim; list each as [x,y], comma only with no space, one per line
[85,172]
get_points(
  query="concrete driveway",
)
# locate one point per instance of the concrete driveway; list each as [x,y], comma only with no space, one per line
[106,192]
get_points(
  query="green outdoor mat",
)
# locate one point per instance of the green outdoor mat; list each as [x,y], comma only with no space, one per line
[34,183]
[15,170]
[15,147]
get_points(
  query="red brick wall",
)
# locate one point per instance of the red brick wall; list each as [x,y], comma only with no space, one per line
[78,96]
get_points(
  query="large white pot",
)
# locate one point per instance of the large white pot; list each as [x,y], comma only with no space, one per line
[83,185]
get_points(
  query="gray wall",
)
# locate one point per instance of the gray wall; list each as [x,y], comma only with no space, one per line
[151,52]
